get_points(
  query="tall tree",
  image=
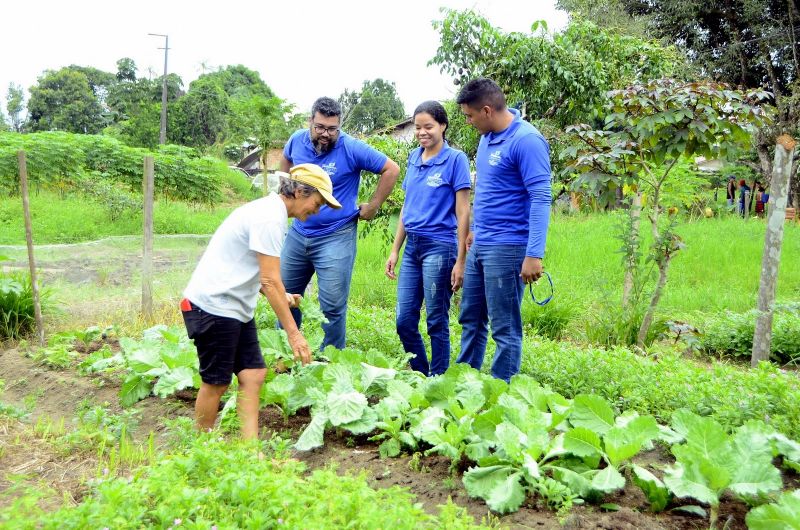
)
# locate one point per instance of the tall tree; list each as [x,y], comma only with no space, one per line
[14,106]
[126,69]
[749,43]
[564,77]
[376,106]
[607,14]
[239,81]
[63,100]
[201,116]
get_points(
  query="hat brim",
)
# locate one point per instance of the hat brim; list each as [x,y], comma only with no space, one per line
[329,199]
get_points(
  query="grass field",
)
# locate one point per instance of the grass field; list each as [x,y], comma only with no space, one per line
[718,270]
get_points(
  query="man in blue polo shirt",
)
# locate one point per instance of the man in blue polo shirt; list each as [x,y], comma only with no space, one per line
[511,213]
[326,243]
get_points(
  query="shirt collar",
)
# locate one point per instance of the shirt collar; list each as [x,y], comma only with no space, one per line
[440,158]
[497,137]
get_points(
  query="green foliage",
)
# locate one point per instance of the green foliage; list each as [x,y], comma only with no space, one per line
[712,462]
[95,427]
[649,128]
[17,317]
[201,116]
[460,134]
[564,76]
[376,106]
[212,482]
[397,150]
[14,106]
[785,513]
[63,162]
[64,100]
[239,81]
[732,334]
[666,382]
[163,363]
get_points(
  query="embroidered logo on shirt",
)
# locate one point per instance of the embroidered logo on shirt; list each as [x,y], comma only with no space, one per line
[330,168]
[495,158]
[435,180]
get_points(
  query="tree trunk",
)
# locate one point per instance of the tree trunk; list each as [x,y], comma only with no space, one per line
[631,263]
[647,321]
[770,261]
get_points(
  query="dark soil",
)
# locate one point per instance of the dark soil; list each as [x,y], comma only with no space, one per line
[58,393]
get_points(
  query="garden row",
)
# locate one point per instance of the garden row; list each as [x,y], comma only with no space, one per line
[522,439]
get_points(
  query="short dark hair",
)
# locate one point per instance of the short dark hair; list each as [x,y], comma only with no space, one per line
[435,109]
[327,107]
[482,92]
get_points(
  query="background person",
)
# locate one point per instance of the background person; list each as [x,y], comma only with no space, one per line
[730,191]
[511,214]
[326,244]
[744,196]
[435,221]
[243,258]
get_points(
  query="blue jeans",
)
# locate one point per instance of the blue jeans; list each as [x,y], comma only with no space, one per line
[493,293]
[332,257]
[425,274]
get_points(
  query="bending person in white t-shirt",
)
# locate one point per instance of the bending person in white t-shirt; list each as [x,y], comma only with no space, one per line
[243,258]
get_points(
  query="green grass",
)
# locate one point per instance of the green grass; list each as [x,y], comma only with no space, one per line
[77,218]
[719,269]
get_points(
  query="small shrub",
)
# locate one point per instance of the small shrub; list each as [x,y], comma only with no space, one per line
[731,334]
[17,317]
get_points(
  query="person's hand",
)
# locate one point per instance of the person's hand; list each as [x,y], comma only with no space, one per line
[300,347]
[294,300]
[470,240]
[367,211]
[390,265]
[531,270]
[457,276]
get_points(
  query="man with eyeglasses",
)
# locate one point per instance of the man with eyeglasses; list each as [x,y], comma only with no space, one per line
[326,243]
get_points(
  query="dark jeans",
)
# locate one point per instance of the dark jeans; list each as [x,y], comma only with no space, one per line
[331,257]
[425,275]
[493,293]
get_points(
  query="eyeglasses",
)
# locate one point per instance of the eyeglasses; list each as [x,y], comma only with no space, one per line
[319,129]
[546,300]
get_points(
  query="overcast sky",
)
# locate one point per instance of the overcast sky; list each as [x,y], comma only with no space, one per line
[303,49]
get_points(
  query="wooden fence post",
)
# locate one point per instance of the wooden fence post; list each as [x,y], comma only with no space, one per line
[26,209]
[770,261]
[147,252]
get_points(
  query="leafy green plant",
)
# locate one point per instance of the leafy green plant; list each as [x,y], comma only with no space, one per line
[95,427]
[785,513]
[17,317]
[711,462]
[163,363]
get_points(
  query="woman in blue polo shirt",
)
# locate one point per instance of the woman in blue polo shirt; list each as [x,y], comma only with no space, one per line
[434,221]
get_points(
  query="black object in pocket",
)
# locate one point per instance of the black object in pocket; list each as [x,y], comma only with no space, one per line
[197,321]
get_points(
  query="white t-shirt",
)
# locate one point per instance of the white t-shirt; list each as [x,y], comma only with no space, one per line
[226,281]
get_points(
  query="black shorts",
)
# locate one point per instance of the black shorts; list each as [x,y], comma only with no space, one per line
[225,346]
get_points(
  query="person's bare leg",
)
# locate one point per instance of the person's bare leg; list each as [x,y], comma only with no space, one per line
[250,381]
[207,405]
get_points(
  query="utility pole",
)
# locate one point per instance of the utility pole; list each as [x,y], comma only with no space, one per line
[162,138]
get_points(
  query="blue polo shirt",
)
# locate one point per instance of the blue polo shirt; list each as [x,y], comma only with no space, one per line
[343,164]
[430,204]
[512,188]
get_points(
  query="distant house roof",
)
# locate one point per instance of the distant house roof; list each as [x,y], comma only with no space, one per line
[397,127]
